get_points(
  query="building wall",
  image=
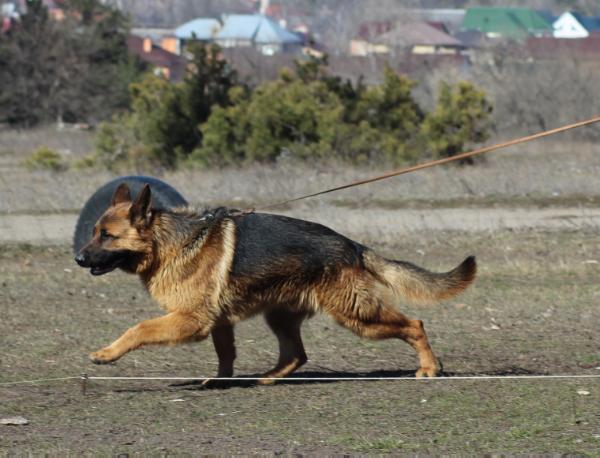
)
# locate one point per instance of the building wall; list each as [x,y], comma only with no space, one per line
[171,44]
[566,26]
[364,48]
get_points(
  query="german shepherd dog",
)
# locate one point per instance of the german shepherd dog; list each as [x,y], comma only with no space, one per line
[211,269]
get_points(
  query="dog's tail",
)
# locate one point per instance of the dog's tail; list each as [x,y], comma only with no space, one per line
[417,285]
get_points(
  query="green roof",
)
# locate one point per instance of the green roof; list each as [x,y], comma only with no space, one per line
[513,23]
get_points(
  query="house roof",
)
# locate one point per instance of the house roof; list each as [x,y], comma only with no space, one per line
[438,25]
[257,28]
[9,10]
[369,30]
[417,33]
[452,18]
[547,15]
[156,33]
[590,23]
[199,29]
[569,26]
[508,22]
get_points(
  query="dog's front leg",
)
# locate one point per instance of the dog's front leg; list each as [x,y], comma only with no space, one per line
[224,341]
[172,328]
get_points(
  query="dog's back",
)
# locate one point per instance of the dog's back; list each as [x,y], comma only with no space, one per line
[271,244]
[274,251]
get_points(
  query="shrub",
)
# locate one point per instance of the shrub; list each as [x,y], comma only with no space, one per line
[224,133]
[45,158]
[311,115]
[286,116]
[77,69]
[114,141]
[163,125]
[212,120]
[388,120]
[461,117]
[86,162]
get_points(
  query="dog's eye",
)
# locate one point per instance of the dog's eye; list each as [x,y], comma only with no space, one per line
[104,235]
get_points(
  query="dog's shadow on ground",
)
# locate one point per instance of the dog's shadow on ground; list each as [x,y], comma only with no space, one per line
[299,378]
[326,377]
[322,377]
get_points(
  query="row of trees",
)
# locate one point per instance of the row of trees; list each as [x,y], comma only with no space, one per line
[76,70]
[214,119]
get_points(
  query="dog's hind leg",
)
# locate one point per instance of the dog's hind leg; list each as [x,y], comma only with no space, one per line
[169,329]
[390,323]
[286,326]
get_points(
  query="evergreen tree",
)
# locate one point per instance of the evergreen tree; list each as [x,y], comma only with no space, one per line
[77,69]
[207,84]
[30,80]
[461,117]
[166,117]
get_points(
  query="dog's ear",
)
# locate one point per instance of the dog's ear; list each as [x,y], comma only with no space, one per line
[121,195]
[140,209]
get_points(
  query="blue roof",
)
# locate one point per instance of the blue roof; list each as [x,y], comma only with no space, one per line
[590,23]
[257,28]
[547,15]
[199,29]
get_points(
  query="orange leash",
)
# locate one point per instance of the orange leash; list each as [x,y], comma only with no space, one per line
[426,165]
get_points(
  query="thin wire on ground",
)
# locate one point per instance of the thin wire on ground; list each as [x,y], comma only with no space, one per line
[315,379]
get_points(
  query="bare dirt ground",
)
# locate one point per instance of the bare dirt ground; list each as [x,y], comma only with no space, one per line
[373,223]
[530,216]
[533,310]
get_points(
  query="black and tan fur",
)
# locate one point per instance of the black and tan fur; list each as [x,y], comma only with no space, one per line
[210,270]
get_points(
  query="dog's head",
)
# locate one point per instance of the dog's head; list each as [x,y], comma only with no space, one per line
[121,237]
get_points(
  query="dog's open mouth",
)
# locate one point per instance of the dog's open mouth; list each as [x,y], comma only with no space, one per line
[101,262]
[102,270]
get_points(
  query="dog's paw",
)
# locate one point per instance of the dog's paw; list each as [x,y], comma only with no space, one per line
[211,384]
[103,356]
[427,372]
[267,380]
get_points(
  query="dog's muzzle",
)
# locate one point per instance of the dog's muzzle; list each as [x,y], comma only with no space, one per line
[82,259]
[99,263]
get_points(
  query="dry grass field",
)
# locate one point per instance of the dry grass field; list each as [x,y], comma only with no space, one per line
[532,310]
[552,172]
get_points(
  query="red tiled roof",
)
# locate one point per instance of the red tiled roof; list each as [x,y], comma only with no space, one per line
[369,30]
[438,25]
[417,33]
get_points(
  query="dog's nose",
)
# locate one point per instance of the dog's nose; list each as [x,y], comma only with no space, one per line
[81,259]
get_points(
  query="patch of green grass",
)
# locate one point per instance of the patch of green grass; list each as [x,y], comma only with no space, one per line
[86,162]
[523,433]
[45,158]
[362,444]
[589,359]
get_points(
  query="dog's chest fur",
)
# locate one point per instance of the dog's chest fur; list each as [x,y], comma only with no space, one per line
[191,278]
